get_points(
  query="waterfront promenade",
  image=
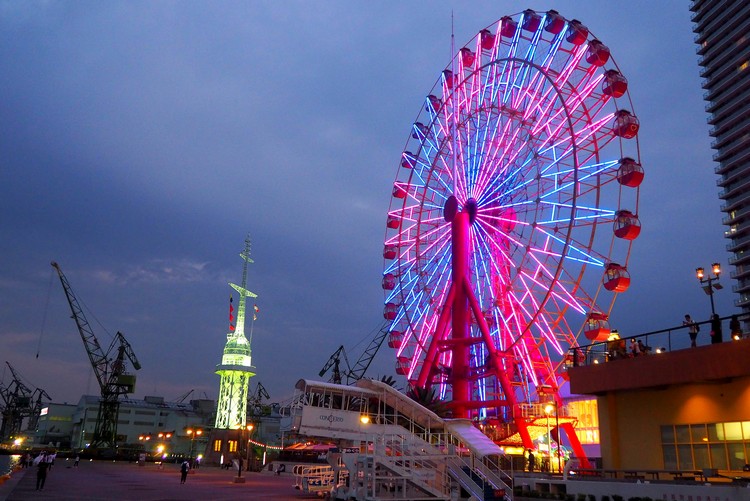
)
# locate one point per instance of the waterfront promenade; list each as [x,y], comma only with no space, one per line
[113,481]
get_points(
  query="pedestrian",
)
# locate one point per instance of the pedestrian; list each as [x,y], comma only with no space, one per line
[184,469]
[635,350]
[78,460]
[41,472]
[531,460]
[693,330]
[715,329]
[734,328]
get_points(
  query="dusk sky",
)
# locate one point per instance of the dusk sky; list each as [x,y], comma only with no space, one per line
[140,142]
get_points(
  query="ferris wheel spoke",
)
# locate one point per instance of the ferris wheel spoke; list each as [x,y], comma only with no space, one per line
[574,213]
[573,253]
[563,293]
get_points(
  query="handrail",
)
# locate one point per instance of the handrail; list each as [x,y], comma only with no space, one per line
[597,352]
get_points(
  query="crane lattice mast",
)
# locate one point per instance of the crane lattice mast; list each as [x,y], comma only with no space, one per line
[110,371]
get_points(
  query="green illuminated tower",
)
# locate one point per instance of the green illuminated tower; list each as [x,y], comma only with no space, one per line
[236,367]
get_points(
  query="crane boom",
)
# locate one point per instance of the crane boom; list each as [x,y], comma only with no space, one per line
[354,373]
[335,362]
[97,357]
[110,372]
[365,359]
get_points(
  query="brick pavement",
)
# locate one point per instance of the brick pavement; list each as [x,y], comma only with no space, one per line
[116,481]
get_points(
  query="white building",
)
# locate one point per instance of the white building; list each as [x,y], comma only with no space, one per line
[151,423]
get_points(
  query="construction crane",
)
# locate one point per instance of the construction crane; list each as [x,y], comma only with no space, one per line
[184,396]
[334,361]
[20,402]
[36,408]
[109,369]
[255,401]
[356,372]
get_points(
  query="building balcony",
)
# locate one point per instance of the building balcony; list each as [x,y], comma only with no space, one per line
[739,243]
[734,187]
[718,46]
[728,121]
[743,301]
[734,156]
[739,258]
[740,272]
[737,216]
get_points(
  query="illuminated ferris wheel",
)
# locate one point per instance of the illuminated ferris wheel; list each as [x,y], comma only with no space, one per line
[513,213]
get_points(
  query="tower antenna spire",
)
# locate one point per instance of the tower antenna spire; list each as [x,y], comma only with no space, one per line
[236,367]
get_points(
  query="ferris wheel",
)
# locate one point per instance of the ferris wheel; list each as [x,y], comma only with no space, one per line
[513,213]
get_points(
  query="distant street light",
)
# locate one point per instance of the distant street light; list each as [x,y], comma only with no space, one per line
[709,280]
[192,434]
[249,429]
[548,410]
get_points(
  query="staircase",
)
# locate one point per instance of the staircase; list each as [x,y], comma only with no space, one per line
[402,451]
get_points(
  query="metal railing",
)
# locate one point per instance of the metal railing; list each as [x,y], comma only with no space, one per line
[657,341]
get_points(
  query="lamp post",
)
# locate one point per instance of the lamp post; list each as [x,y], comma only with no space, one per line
[192,434]
[709,289]
[547,410]
[249,429]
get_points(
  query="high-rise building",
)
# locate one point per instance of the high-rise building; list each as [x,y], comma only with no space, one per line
[722,30]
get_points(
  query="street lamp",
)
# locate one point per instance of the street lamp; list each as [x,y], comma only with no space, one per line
[249,429]
[242,430]
[709,280]
[548,410]
[192,434]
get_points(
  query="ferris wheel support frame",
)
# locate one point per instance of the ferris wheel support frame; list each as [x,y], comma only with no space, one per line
[460,305]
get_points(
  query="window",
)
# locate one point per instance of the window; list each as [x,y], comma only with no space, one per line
[724,446]
[587,428]
[217,445]
[232,445]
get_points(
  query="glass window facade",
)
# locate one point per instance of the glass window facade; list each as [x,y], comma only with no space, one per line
[724,446]
[587,413]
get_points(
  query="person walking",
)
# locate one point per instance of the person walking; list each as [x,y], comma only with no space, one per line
[716,329]
[693,330]
[531,460]
[184,469]
[78,460]
[41,472]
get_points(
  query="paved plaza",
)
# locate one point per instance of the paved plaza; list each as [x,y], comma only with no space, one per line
[108,480]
